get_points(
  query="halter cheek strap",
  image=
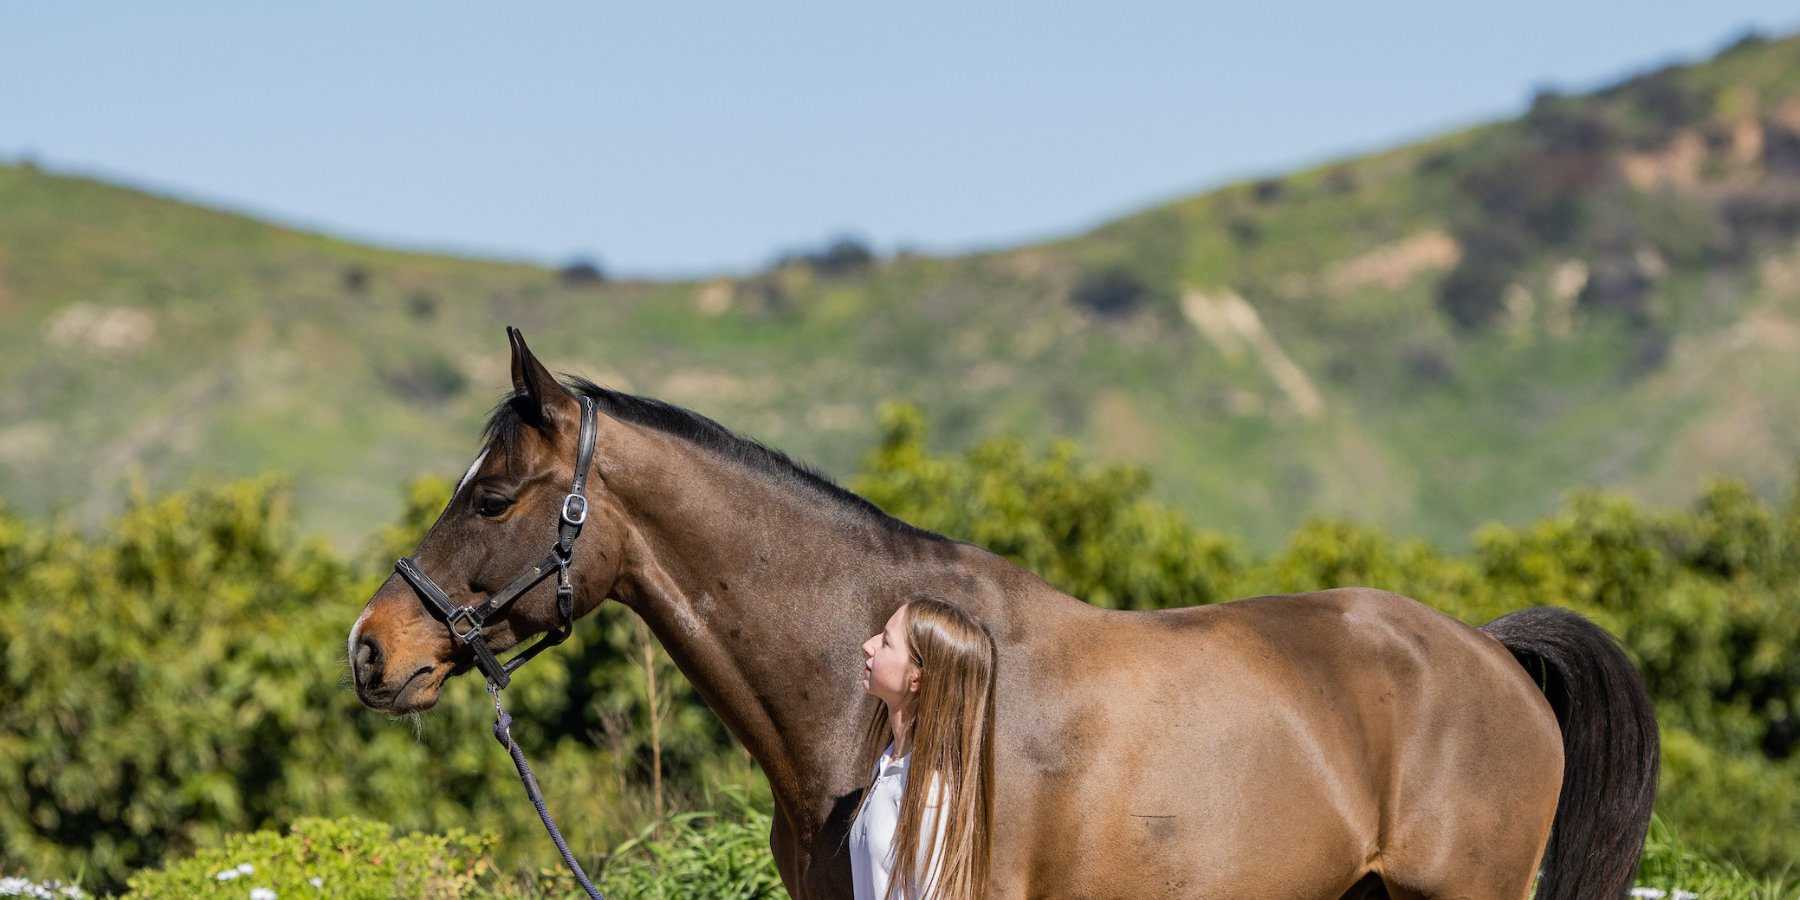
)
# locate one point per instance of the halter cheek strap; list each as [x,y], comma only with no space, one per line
[467,622]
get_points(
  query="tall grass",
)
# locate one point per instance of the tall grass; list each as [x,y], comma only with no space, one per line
[1671,866]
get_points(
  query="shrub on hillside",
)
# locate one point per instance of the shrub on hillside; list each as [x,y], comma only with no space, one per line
[1109,292]
[842,256]
[581,273]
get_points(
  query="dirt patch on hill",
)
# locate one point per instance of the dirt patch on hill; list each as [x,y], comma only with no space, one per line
[1392,265]
[105,329]
[1232,325]
[1676,164]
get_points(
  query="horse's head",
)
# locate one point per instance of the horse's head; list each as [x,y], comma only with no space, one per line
[503,521]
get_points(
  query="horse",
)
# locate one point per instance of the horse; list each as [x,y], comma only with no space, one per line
[1346,743]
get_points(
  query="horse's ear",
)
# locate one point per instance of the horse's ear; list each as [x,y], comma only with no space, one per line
[541,399]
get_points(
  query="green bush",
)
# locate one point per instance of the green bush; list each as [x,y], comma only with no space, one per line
[721,854]
[355,859]
[1091,530]
[1671,866]
[179,675]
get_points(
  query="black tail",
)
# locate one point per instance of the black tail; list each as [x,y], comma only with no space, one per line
[1610,750]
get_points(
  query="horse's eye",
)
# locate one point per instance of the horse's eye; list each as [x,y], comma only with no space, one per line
[491,505]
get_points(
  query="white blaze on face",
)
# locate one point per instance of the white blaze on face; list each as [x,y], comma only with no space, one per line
[471,473]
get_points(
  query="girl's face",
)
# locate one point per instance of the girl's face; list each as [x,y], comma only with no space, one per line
[888,672]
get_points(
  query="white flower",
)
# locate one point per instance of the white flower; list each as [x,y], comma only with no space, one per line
[262,894]
[246,869]
[25,887]
[19,887]
[1685,895]
[316,882]
[1646,893]
[227,875]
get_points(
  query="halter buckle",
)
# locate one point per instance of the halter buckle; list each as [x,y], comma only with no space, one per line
[575,509]
[464,612]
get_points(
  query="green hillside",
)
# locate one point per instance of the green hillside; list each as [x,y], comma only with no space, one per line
[1605,291]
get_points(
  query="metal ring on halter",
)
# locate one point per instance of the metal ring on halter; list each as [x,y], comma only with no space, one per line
[468,613]
[579,517]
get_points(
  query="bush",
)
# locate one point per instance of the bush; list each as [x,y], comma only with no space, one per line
[714,854]
[1473,294]
[1111,293]
[582,273]
[348,858]
[424,377]
[180,675]
[1678,870]
[843,256]
[1091,530]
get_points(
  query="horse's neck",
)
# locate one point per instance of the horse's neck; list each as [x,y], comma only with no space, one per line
[762,593]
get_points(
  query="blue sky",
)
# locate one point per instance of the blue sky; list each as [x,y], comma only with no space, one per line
[682,138]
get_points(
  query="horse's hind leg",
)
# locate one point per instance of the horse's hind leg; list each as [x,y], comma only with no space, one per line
[1481,850]
[1369,888]
[1463,871]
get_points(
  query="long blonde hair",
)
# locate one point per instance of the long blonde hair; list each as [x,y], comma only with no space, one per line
[952,748]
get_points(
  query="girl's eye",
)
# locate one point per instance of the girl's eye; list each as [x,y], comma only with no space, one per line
[491,505]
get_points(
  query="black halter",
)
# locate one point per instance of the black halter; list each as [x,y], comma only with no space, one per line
[574,514]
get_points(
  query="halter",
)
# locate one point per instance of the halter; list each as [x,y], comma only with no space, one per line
[472,619]
[574,515]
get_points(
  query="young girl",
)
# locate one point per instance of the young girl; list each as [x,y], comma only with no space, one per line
[923,830]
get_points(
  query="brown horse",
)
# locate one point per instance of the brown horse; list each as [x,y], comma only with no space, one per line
[1345,743]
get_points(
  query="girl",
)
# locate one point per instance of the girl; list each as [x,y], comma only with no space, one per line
[923,830]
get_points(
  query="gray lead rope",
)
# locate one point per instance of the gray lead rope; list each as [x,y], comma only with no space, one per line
[503,734]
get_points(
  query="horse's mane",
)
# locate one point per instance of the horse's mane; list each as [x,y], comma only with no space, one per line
[505,424]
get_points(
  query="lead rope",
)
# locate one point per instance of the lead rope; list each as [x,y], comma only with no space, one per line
[503,734]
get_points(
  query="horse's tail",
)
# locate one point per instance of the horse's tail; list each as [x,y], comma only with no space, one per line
[1610,750]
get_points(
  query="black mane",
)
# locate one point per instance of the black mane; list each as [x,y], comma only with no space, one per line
[506,422]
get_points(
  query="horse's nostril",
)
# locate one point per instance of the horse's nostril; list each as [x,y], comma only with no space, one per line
[368,662]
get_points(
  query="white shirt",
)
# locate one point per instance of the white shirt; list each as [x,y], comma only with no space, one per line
[872,834]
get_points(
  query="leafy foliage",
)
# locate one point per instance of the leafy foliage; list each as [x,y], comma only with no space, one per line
[722,854]
[350,858]
[179,676]
[1091,530]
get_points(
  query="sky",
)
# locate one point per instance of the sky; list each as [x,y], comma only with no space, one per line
[685,139]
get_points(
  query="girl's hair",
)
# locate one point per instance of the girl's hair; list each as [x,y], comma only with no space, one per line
[952,749]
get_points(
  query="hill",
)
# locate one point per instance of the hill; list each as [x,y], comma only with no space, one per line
[1604,291]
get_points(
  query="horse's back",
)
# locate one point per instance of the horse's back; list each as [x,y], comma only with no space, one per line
[1183,747]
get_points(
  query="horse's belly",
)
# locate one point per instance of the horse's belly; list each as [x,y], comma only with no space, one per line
[1254,807]
[1257,761]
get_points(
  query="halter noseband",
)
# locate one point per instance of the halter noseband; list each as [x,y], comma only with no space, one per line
[472,619]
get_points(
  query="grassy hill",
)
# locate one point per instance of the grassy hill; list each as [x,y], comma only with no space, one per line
[1605,291]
